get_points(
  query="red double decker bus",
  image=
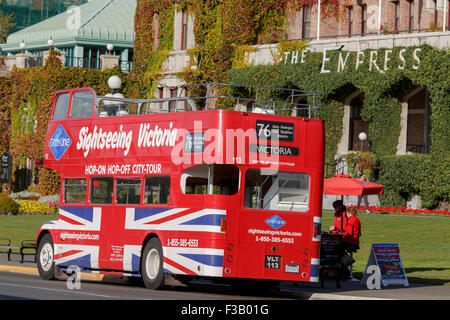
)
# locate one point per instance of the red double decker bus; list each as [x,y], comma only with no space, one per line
[147,190]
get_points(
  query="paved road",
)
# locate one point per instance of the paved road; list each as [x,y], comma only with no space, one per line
[20,281]
[18,286]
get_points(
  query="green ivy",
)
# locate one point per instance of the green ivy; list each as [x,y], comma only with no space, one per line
[426,175]
[29,92]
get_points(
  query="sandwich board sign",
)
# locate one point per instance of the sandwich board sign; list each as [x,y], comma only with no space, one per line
[386,256]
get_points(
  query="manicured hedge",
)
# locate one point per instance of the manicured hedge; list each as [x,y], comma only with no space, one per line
[424,175]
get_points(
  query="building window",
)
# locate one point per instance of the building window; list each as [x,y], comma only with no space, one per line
[435,12]
[306,22]
[184,24]
[418,123]
[396,16]
[448,15]
[411,16]
[357,125]
[350,20]
[161,96]
[363,19]
[173,104]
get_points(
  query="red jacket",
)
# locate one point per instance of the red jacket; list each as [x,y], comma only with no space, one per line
[340,225]
[352,230]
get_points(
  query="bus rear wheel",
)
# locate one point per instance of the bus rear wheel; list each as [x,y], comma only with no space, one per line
[152,264]
[45,258]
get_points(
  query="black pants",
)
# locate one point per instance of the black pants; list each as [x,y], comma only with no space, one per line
[342,248]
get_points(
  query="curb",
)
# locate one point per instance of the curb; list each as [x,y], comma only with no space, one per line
[26,270]
[84,275]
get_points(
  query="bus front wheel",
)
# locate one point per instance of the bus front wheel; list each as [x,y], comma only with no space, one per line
[45,258]
[152,264]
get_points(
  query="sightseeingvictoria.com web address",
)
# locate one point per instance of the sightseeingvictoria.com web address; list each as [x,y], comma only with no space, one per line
[275,233]
[79,236]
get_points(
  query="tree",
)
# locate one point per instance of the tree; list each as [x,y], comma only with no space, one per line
[6,24]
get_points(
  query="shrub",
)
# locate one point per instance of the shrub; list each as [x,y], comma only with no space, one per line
[425,175]
[8,205]
[49,182]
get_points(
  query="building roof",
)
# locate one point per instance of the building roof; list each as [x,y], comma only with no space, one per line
[96,22]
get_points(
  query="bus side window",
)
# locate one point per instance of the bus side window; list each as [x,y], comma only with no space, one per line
[102,190]
[75,191]
[128,191]
[61,106]
[82,104]
[219,179]
[157,189]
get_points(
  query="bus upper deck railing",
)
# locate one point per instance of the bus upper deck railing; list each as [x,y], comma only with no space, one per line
[208,96]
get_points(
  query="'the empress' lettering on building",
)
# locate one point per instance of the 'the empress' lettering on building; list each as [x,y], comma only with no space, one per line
[375,62]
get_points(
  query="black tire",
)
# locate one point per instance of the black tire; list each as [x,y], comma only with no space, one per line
[152,265]
[45,258]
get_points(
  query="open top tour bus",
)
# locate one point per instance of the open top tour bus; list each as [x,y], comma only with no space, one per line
[148,190]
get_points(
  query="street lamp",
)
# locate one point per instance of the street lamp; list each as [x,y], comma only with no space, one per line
[362,136]
[112,107]
[109,47]
[114,83]
[50,43]
[22,46]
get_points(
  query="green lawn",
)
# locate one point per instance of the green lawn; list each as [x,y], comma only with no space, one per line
[22,227]
[424,240]
[424,243]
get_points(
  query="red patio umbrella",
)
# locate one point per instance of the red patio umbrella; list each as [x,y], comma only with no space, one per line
[343,184]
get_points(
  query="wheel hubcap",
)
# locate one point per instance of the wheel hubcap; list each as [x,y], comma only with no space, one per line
[152,265]
[46,257]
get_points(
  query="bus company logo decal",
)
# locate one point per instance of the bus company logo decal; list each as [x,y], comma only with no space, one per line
[59,142]
[275,222]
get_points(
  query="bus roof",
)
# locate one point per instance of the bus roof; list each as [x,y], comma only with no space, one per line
[207,96]
[85,128]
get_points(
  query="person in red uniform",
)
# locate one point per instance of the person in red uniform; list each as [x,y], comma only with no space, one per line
[350,239]
[340,217]
[352,229]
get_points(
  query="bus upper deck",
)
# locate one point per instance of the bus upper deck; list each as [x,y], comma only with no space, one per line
[110,126]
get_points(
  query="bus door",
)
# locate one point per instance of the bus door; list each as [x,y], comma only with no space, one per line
[273,227]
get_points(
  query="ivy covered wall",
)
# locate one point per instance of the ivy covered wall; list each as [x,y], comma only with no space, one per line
[384,83]
[26,97]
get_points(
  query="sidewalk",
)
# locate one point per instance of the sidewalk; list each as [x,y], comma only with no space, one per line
[350,290]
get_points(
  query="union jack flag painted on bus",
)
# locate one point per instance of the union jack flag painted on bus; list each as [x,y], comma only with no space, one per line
[192,240]
[193,261]
[74,224]
[178,219]
[77,218]
[191,252]
[83,256]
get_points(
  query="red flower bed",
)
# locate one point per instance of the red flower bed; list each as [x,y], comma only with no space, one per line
[33,198]
[404,210]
